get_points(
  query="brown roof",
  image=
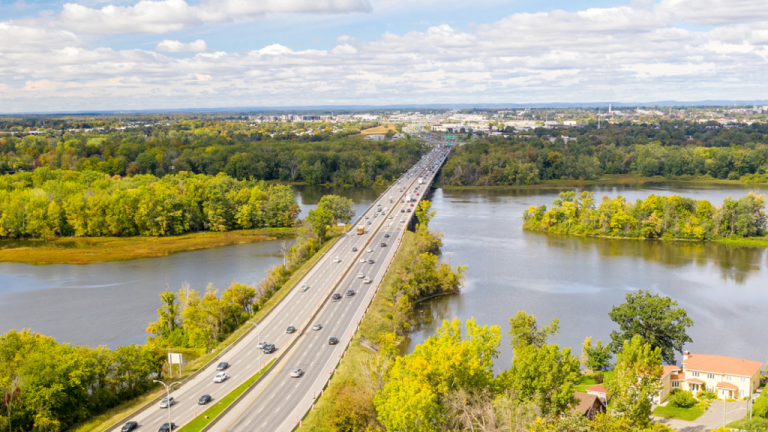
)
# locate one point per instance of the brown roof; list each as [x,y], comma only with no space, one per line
[669,369]
[597,388]
[695,381]
[722,364]
[585,402]
[727,386]
[678,376]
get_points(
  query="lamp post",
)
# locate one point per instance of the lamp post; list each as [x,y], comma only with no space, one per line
[168,393]
[258,341]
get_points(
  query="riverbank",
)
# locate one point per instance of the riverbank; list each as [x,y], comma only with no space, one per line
[86,250]
[608,179]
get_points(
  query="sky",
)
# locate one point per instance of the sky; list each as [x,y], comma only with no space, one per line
[77,55]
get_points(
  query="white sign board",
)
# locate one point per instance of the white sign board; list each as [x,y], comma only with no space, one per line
[174,358]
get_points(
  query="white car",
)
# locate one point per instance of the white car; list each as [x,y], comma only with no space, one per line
[369,250]
[317,327]
[167,401]
[402,220]
[360,275]
[367,280]
[363,260]
[262,345]
[336,259]
[296,373]
[220,377]
[389,217]
[304,287]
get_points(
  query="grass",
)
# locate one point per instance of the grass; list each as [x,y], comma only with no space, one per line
[745,422]
[745,242]
[669,411]
[86,250]
[382,129]
[588,380]
[109,418]
[375,323]
[211,413]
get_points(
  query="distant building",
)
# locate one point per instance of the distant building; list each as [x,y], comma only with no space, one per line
[376,137]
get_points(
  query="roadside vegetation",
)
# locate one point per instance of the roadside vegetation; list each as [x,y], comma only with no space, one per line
[740,220]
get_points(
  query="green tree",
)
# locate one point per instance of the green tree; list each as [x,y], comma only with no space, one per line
[525,331]
[320,219]
[423,213]
[636,380]
[595,357]
[655,319]
[340,208]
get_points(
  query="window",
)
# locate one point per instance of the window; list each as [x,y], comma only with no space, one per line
[694,374]
[728,377]
[675,384]
[743,379]
[710,376]
[742,393]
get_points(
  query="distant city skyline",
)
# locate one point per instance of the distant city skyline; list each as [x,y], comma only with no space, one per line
[171,54]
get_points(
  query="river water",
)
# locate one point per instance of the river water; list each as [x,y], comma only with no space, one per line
[577,280]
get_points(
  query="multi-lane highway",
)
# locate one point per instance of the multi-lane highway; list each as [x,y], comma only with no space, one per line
[281,399]
[310,351]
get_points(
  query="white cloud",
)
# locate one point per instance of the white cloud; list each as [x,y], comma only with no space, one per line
[162,16]
[717,12]
[176,46]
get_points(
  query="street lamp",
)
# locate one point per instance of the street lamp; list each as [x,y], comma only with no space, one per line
[258,340]
[168,392]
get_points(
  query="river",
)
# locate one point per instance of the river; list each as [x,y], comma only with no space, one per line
[577,280]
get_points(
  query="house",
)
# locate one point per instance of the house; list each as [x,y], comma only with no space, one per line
[587,405]
[376,137]
[727,377]
[599,391]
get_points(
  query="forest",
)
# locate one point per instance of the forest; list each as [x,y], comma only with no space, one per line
[198,147]
[672,217]
[675,150]
[49,203]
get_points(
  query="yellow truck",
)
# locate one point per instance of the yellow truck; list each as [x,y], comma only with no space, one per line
[360,229]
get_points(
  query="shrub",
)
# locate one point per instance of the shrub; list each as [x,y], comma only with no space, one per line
[760,409]
[599,378]
[683,399]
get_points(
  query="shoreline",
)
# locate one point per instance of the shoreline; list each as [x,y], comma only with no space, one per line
[87,250]
[757,242]
[609,179]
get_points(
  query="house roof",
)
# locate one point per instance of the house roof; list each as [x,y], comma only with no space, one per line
[722,364]
[727,386]
[695,381]
[597,388]
[585,402]
[668,369]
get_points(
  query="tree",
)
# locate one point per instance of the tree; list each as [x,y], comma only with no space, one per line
[636,380]
[595,357]
[525,331]
[340,208]
[545,375]
[320,219]
[655,319]
[423,213]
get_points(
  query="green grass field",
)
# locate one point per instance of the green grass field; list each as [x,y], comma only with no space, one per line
[587,381]
[687,414]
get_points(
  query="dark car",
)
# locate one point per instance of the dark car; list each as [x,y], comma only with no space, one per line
[386,235]
[383,244]
[354,249]
[350,293]
[269,349]
[333,341]
[409,210]
[290,329]
[222,366]
[336,297]
[370,261]
[165,428]
[204,399]
[131,425]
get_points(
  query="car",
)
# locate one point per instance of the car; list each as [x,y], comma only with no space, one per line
[386,235]
[220,377]
[411,204]
[369,250]
[262,345]
[167,428]
[304,287]
[389,217]
[333,341]
[362,260]
[350,293]
[402,211]
[383,244]
[370,261]
[297,373]
[167,401]
[408,210]
[354,249]
[369,222]
[417,194]
[366,217]
[204,399]
[360,275]
[367,280]
[290,329]
[336,259]
[269,349]
[402,220]
[221,366]
[336,297]
[317,327]
[128,427]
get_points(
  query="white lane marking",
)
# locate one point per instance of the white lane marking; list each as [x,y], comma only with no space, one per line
[249,422]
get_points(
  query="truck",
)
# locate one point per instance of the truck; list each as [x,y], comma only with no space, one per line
[408,198]
[421,180]
[360,229]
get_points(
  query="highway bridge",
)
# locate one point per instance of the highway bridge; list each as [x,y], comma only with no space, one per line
[277,400]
